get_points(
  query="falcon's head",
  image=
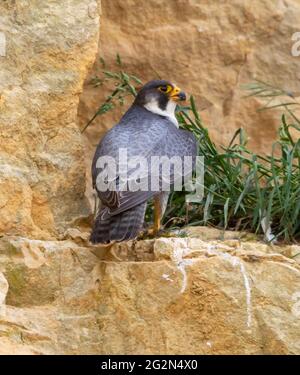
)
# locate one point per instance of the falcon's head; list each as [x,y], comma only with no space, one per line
[160,97]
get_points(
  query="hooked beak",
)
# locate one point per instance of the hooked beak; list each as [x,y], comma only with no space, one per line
[177,95]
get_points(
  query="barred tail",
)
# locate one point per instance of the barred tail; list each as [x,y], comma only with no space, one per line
[100,231]
[121,227]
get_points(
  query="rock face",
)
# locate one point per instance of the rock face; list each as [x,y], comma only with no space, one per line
[208,48]
[208,293]
[174,296]
[46,49]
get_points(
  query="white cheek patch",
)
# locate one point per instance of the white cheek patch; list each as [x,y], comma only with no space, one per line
[169,112]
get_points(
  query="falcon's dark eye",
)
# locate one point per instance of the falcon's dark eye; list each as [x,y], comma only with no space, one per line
[163,88]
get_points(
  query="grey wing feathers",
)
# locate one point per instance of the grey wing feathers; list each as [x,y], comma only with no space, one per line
[138,138]
[160,137]
[144,134]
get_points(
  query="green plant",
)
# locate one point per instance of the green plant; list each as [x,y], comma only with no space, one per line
[123,85]
[243,190]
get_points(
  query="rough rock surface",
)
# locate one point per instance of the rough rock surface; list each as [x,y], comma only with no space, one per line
[212,292]
[46,49]
[210,49]
[170,295]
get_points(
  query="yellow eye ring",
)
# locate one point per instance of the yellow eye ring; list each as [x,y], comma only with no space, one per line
[165,89]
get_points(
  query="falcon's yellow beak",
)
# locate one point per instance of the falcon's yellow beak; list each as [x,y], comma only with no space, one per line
[176,94]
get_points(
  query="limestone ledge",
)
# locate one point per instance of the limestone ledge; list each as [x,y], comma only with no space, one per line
[196,295]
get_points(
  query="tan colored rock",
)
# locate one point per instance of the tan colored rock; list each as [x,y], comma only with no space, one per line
[292,251]
[193,297]
[46,49]
[209,233]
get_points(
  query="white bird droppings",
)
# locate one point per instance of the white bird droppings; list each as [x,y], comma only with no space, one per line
[235,261]
[181,263]
[2,44]
[181,266]
[166,277]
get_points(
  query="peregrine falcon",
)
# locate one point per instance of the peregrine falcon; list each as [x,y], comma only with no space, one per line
[148,128]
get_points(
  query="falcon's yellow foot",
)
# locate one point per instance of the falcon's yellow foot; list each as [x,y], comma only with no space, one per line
[148,233]
[152,233]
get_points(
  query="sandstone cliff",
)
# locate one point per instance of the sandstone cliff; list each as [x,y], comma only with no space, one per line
[199,294]
[47,49]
